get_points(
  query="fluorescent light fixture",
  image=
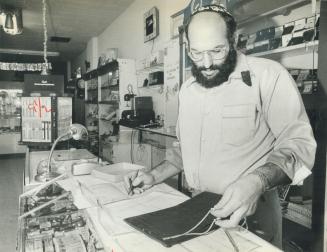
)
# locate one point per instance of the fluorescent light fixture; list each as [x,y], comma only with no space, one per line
[11,20]
[9,23]
[27,52]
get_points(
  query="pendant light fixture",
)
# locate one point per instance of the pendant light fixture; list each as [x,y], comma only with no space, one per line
[9,23]
[11,20]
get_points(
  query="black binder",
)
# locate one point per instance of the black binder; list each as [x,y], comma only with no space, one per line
[177,220]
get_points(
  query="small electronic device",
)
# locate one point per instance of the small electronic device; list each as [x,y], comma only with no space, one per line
[156,78]
[142,103]
[141,112]
[132,118]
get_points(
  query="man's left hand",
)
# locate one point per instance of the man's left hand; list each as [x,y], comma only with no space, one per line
[239,200]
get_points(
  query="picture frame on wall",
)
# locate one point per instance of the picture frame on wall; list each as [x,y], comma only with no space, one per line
[151,24]
[176,21]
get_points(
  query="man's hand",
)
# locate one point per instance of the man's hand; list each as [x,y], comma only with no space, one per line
[138,182]
[239,200]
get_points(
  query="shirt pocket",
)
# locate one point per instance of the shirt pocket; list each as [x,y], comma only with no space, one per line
[238,124]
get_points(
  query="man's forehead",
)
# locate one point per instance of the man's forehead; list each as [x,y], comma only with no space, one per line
[207,21]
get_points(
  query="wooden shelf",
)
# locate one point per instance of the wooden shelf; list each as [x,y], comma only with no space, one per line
[91,102]
[295,49]
[9,116]
[114,102]
[106,120]
[150,68]
[275,11]
[155,87]
[111,87]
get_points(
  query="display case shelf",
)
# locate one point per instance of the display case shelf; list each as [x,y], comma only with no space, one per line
[112,87]
[113,102]
[9,116]
[274,11]
[290,50]
[153,68]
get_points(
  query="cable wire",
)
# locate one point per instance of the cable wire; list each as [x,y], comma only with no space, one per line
[188,232]
[45,33]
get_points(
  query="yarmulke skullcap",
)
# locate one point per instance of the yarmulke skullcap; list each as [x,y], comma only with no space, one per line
[196,6]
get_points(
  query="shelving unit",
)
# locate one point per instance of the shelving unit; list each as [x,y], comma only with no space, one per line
[91,111]
[280,8]
[299,49]
[10,121]
[103,98]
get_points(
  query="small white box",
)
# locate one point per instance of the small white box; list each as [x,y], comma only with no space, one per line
[115,172]
[286,39]
[299,25]
[157,58]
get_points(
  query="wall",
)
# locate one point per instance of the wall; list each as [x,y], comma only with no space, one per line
[126,34]
[90,54]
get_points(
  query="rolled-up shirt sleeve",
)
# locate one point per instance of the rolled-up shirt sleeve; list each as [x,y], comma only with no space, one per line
[295,146]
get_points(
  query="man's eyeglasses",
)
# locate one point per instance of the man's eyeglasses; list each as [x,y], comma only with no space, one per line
[216,54]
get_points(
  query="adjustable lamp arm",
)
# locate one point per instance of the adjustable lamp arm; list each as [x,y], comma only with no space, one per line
[76,131]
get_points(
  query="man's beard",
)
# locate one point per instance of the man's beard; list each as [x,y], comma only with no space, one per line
[225,69]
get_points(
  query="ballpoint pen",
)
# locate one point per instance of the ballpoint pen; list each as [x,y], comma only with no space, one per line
[131,187]
[232,241]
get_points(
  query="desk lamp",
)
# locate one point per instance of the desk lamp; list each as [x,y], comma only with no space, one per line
[76,131]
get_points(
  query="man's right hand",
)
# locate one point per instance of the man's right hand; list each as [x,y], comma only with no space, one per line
[138,182]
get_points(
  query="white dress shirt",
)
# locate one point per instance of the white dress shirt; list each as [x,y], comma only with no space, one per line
[228,131]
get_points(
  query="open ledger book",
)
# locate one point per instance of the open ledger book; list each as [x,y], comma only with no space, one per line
[91,191]
[109,217]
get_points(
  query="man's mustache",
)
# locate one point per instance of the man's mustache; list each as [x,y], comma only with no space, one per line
[212,67]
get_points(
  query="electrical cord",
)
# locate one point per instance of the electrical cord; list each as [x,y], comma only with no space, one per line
[189,232]
[132,148]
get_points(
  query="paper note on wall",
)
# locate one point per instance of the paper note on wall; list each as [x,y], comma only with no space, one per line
[36,119]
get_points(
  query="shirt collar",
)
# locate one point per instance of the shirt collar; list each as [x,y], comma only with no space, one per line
[241,66]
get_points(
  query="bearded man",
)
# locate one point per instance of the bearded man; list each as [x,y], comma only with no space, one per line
[242,127]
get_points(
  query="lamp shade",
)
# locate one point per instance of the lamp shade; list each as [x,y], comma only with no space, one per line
[78,131]
[9,23]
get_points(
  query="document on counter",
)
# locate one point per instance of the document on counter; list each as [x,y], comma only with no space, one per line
[213,242]
[112,215]
[89,191]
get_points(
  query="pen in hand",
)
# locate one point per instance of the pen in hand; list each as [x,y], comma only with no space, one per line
[131,186]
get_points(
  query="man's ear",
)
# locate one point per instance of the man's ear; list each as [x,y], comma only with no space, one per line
[187,44]
[234,38]
[185,40]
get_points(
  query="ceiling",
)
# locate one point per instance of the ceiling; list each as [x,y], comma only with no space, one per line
[79,20]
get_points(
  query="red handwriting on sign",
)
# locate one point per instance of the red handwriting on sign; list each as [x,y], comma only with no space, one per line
[38,107]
